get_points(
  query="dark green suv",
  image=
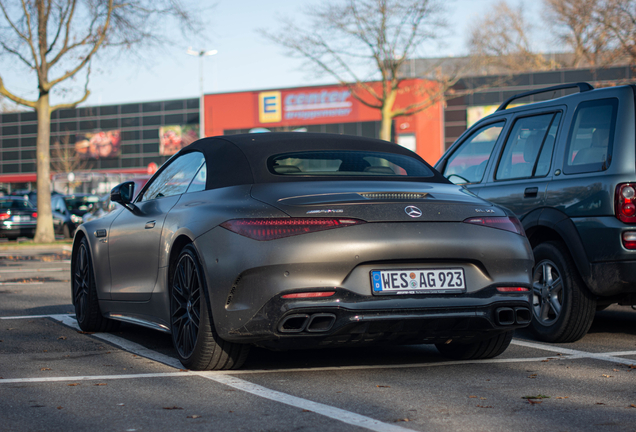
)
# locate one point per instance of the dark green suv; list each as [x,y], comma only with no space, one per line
[567,168]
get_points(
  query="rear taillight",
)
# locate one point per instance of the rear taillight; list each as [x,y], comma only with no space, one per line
[629,240]
[624,202]
[34,215]
[316,294]
[4,216]
[512,289]
[505,223]
[275,228]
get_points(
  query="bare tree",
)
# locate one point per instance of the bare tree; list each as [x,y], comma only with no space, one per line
[57,40]
[359,40]
[6,106]
[64,157]
[502,39]
[618,18]
[580,27]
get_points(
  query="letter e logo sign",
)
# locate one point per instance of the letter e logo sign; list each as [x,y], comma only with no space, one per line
[269,107]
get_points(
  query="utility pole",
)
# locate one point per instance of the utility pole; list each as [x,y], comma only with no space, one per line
[201,54]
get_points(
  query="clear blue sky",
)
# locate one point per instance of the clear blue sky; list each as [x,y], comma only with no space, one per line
[244,61]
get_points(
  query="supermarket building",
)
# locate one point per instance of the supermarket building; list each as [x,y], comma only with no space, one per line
[141,136]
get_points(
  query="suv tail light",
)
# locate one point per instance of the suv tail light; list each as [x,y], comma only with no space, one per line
[4,216]
[275,228]
[625,202]
[506,223]
[629,240]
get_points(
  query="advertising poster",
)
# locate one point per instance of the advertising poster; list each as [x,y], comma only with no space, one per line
[174,138]
[99,144]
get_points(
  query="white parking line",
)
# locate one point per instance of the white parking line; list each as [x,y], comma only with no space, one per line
[96,377]
[28,270]
[611,357]
[21,283]
[296,402]
[56,317]
[227,378]
[246,386]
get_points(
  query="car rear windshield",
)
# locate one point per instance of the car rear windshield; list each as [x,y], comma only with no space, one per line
[81,204]
[347,163]
[15,204]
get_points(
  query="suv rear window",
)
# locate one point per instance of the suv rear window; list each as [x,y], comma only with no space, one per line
[591,137]
[346,163]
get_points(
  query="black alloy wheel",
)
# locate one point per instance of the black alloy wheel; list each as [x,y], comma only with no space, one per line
[547,292]
[81,282]
[563,308]
[198,345]
[186,306]
[87,310]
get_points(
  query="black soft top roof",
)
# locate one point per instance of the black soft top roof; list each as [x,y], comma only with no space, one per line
[242,159]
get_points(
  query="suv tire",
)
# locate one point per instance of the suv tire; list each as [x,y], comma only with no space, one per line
[563,307]
[483,349]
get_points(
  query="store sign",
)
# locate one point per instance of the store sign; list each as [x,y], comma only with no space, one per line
[317,104]
[307,105]
[269,107]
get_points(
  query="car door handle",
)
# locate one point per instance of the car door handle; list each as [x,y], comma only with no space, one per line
[531,192]
[150,225]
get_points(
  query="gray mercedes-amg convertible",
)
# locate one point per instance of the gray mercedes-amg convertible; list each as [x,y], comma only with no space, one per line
[292,240]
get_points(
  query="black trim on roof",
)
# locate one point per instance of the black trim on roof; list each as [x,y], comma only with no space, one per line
[242,159]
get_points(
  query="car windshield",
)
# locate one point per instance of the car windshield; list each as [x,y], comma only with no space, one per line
[6,204]
[80,205]
[347,163]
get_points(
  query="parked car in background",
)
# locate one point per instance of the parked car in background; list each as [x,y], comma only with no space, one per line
[79,204]
[291,240]
[64,221]
[100,209]
[18,217]
[567,168]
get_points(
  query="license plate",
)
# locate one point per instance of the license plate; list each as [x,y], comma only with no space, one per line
[20,218]
[418,281]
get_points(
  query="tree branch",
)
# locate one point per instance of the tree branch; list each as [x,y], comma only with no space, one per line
[6,93]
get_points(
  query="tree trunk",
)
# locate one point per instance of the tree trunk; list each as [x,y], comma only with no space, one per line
[387,115]
[44,231]
[385,126]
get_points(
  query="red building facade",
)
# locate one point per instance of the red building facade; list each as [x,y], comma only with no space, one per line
[327,109]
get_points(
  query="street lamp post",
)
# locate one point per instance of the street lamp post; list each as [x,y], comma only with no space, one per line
[201,54]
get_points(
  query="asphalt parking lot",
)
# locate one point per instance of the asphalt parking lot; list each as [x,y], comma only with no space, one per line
[54,377]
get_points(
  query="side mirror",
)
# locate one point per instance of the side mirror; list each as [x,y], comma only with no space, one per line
[123,193]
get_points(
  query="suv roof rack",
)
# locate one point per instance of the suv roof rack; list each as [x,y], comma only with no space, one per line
[582,86]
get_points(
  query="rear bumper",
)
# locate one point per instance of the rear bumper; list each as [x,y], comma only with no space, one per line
[17,231]
[350,319]
[246,277]
[612,278]
[612,268]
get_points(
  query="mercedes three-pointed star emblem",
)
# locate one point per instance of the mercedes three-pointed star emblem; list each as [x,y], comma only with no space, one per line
[413,211]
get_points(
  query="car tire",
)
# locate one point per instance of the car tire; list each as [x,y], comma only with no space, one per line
[66,232]
[198,345]
[484,349]
[562,306]
[87,311]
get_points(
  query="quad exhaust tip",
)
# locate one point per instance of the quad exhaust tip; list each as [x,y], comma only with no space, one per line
[506,316]
[314,323]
